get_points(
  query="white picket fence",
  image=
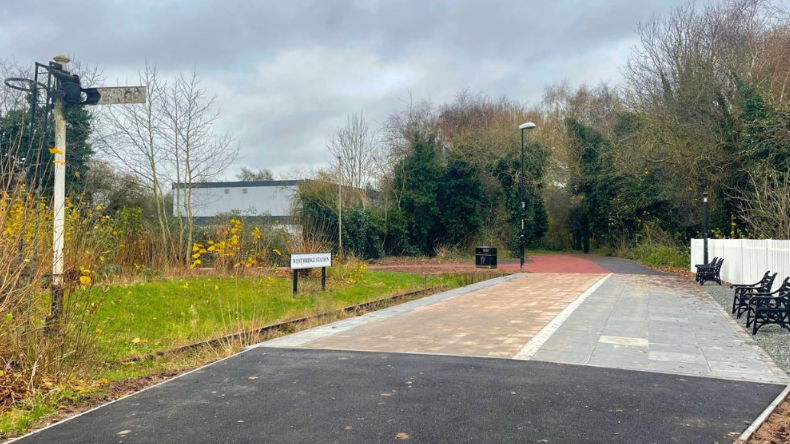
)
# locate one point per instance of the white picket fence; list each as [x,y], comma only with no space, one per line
[746,260]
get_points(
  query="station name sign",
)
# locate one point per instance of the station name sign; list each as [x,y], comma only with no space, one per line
[310,260]
[117,95]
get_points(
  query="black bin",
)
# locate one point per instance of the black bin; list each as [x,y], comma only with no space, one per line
[485,257]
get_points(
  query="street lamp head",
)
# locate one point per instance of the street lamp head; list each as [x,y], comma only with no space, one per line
[528,126]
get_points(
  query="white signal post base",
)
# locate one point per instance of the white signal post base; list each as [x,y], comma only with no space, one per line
[59,200]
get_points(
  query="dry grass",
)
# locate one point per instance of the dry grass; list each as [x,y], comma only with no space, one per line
[37,351]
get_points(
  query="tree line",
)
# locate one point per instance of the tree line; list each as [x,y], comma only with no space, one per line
[703,108]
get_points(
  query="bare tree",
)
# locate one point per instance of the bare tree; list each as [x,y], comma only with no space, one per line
[683,88]
[767,208]
[131,136]
[354,146]
[248,175]
[169,139]
[195,151]
[90,75]
[10,98]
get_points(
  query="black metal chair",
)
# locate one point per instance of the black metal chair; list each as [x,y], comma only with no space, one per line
[701,267]
[743,292]
[710,273]
[770,308]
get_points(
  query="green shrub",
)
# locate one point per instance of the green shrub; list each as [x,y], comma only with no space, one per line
[659,254]
[395,229]
[361,234]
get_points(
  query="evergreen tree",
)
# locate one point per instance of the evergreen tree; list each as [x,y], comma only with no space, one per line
[15,142]
[395,232]
[361,235]
[459,199]
[418,176]
[594,183]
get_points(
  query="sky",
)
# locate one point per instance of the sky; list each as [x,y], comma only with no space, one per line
[288,73]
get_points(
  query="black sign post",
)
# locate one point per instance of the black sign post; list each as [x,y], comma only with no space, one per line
[300,261]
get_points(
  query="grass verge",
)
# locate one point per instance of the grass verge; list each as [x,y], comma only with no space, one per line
[147,317]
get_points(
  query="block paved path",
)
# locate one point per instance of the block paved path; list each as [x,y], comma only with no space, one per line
[495,321]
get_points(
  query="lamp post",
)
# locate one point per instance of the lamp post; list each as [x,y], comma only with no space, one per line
[706,212]
[340,206]
[521,183]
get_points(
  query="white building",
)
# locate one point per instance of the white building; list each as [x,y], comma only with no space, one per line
[269,198]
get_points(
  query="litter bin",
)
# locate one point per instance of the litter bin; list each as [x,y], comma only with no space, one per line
[485,257]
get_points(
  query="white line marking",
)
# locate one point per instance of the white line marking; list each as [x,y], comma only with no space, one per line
[764,415]
[528,351]
[623,340]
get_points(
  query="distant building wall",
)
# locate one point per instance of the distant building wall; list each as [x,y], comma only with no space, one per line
[270,198]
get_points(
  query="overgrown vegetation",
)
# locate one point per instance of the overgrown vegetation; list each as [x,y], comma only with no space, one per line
[704,109]
[145,317]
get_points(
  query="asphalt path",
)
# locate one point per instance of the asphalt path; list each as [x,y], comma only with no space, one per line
[320,396]
[621,266]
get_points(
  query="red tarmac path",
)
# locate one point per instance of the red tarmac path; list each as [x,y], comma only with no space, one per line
[555,263]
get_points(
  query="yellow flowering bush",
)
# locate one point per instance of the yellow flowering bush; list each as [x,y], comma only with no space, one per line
[233,247]
[351,271]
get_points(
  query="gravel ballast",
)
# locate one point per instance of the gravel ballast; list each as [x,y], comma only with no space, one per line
[772,338]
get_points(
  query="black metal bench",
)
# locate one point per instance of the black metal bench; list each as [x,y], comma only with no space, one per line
[770,308]
[701,267]
[744,292]
[710,272]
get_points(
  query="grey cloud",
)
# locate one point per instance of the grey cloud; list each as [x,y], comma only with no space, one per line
[288,72]
[220,32]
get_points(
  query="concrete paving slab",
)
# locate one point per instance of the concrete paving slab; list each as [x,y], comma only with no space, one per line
[270,395]
[535,263]
[659,323]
